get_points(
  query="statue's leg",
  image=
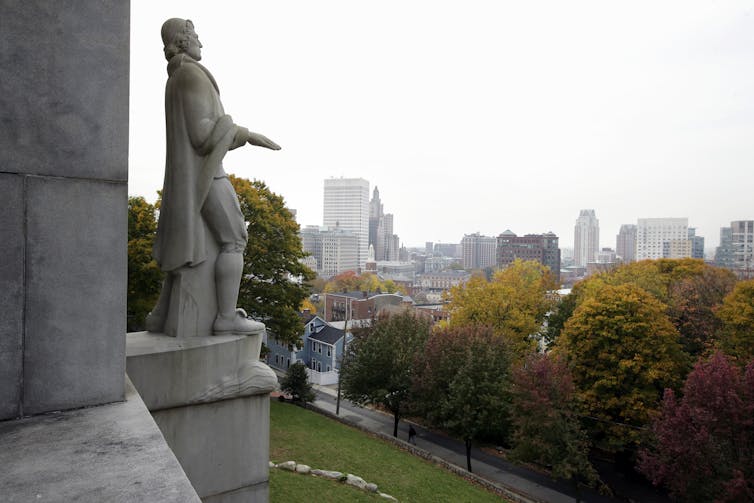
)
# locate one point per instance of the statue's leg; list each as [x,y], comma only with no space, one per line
[225,220]
[155,321]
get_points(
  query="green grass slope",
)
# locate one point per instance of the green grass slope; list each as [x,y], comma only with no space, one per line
[312,439]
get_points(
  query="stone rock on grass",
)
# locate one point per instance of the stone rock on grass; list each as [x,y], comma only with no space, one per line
[387,497]
[355,481]
[305,469]
[327,474]
[272,465]
[371,487]
[288,465]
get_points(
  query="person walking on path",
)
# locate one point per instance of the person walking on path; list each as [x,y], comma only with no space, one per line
[411,434]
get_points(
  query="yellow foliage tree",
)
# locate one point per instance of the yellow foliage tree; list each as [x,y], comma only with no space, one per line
[737,315]
[514,303]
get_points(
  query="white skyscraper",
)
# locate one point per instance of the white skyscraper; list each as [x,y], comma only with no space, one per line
[586,242]
[662,238]
[346,206]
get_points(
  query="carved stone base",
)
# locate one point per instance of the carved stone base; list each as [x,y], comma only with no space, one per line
[210,398]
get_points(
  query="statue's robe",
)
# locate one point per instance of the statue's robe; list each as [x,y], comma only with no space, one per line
[199,134]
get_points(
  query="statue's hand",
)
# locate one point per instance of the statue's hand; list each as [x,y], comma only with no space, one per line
[260,140]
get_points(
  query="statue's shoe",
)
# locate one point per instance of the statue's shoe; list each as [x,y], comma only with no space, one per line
[240,324]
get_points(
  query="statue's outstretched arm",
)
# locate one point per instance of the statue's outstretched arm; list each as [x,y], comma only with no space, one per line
[261,140]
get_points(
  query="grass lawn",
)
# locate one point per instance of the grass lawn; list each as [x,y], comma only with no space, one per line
[309,438]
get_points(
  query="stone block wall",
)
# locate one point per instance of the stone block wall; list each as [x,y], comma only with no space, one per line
[63,187]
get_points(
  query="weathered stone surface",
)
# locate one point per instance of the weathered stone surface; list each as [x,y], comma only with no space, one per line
[355,481]
[257,493]
[108,453]
[208,368]
[327,474]
[11,294]
[64,90]
[222,446]
[303,469]
[371,487]
[74,347]
[387,497]
[288,465]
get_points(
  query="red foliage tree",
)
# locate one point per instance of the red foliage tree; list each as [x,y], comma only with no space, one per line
[704,441]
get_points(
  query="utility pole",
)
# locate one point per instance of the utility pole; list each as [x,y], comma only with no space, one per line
[349,312]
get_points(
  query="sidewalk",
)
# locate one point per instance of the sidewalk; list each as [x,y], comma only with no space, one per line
[526,484]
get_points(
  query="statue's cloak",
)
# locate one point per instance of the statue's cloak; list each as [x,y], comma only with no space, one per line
[199,134]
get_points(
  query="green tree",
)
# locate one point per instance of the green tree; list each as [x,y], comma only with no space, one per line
[270,289]
[462,383]
[349,281]
[379,366]
[296,383]
[144,276]
[737,316]
[623,351]
[546,429]
[514,303]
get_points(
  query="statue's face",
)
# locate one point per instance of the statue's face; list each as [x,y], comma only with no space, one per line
[194,48]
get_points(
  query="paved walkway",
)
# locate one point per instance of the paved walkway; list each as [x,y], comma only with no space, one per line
[537,486]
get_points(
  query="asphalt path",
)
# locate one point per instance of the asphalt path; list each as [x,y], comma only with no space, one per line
[537,485]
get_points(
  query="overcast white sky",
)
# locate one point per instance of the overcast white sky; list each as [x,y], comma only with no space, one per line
[476,116]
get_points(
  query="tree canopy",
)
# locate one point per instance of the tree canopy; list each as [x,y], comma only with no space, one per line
[704,441]
[144,275]
[274,283]
[349,281]
[514,303]
[296,383]
[737,317]
[546,429]
[462,383]
[379,365]
[623,351]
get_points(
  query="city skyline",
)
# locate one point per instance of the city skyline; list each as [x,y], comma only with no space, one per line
[477,118]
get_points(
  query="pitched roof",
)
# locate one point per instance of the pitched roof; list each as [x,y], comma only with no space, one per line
[328,335]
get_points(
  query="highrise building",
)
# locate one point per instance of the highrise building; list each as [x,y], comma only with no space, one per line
[625,243]
[736,250]
[697,244]
[386,244]
[662,238]
[478,252]
[742,236]
[586,242]
[540,247]
[724,252]
[335,250]
[375,215]
[346,207]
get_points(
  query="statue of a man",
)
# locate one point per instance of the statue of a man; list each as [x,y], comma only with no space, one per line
[197,194]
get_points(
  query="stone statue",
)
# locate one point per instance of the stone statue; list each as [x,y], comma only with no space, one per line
[201,233]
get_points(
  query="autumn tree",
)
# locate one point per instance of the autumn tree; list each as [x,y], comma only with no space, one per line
[462,383]
[737,317]
[690,289]
[296,384]
[274,281]
[704,441]
[379,366]
[546,429]
[350,281]
[623,351]
[514,303]
[144,275]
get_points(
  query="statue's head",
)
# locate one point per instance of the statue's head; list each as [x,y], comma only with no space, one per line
[178,36]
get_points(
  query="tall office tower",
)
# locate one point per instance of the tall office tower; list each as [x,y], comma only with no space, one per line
[625,243]
[742,241]
[662,238]
[478,251]
[697,244]
[335,250]
[346,206]
[375,215]
[586,242]
[540,247]
[724,252]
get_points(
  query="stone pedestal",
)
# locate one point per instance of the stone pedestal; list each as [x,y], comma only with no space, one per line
[210,398]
